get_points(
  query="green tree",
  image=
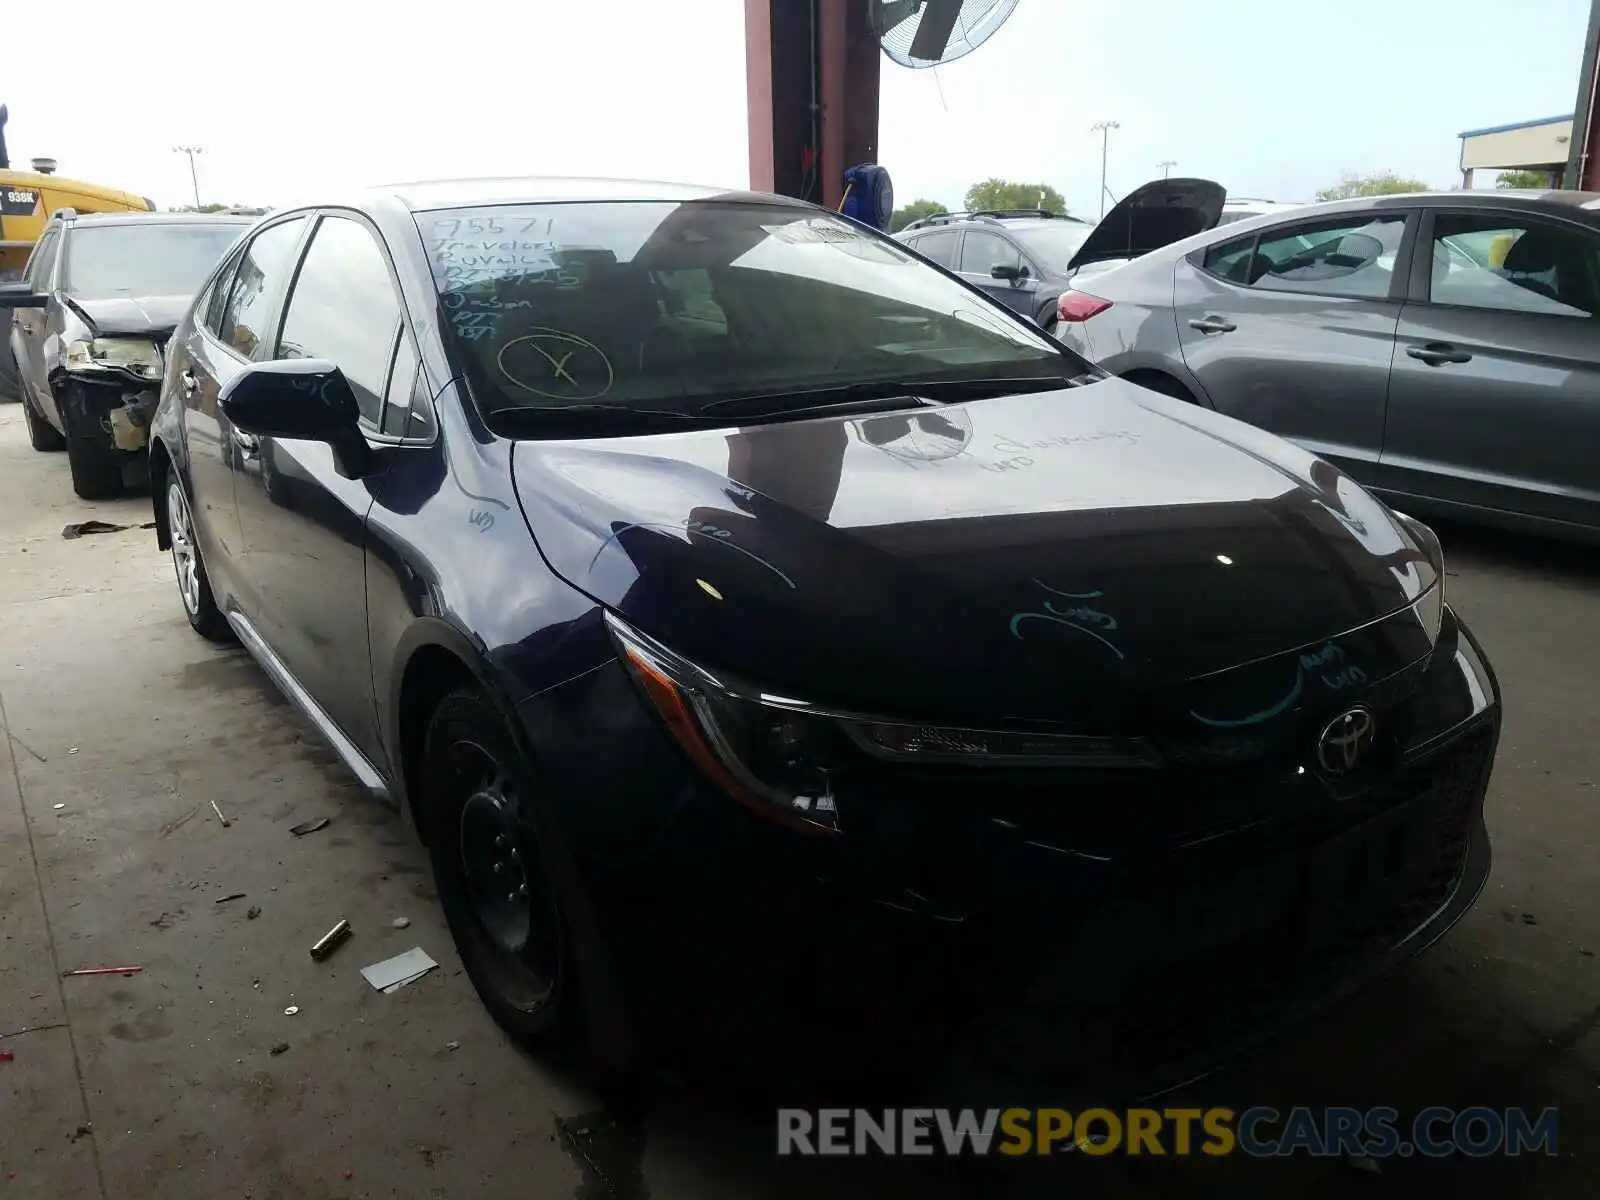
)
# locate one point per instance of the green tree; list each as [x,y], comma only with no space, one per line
[1378,183]
[914,211]
[1003,193]
[1522,179]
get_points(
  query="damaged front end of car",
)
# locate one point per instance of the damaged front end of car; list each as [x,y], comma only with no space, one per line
[108,388]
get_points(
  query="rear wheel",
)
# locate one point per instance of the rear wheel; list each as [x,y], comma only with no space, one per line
[193,587]
[493,871]
[41,434]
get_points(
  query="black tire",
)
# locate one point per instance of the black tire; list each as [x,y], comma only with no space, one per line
[494,869]
[194,589]
[42,435]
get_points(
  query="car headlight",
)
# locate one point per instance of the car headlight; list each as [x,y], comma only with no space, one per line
[783,757]
[132,356]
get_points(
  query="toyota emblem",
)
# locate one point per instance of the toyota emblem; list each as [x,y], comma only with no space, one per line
[1346,740]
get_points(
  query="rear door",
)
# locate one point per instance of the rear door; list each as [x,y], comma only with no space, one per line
[1292,329]
[234,323]
[982,251]
[939,245]
[303,523]
[1495,397]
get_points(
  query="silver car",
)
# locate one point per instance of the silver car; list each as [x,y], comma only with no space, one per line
[1443,349]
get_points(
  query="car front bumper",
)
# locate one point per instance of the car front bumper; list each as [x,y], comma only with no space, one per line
[993,965]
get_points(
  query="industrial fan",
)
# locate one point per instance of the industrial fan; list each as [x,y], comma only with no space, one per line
[929,33]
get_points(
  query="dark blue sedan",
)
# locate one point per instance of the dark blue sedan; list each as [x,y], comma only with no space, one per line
[780,644]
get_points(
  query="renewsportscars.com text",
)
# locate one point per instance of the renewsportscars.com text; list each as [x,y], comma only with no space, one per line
[1257,1132]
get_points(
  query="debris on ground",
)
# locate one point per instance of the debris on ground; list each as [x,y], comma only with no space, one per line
[58,807]
[452,1045]
[280,1048]
[392,974]
[101,971]
[220,817]
[306,827]
[1529,919]
[400,922]
[80,529]
[230,896]
[255,911]
[331,941]
[81,1131]
[291,1010]
[7,1056]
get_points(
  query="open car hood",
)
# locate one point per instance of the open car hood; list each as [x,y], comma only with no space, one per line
[1154,215]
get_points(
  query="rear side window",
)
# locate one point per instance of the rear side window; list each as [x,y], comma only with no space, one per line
[254,289]
[208,305]
[344,308]
[939,246]
[1352,257]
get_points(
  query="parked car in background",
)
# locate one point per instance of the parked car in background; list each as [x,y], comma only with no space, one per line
[1027,259]
[1242,208]
[736,602]
[1444,349]
[97,301]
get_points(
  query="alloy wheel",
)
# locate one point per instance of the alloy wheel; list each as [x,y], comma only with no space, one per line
[185,558]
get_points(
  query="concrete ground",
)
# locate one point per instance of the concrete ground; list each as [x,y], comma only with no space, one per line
[123,728]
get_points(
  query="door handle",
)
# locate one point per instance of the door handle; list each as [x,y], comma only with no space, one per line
[189,382]
[249,445]
[1436,354]
[1212,325]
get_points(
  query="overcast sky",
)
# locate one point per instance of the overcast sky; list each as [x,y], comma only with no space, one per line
[1273,99]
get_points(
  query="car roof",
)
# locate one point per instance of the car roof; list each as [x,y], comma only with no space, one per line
[425,195]
[156,218]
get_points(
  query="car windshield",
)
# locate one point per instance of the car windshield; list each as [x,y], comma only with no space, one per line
[666,307]
[1054,245]
[144,259]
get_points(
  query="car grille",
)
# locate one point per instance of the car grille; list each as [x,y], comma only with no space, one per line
[1232,952]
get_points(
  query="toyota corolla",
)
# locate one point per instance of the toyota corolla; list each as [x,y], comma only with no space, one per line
[769,633]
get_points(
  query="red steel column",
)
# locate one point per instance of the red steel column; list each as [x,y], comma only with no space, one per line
[811,76]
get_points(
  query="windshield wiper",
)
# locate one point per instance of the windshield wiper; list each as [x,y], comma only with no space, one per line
[557,418]
[878,395]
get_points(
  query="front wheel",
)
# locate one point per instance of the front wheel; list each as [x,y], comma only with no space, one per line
[493,871]
[199,605]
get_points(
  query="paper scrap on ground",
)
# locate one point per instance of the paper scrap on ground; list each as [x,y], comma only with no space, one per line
[394,973]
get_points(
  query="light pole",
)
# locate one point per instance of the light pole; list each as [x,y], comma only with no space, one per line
[1104,128]
[194,179]
[1166,166]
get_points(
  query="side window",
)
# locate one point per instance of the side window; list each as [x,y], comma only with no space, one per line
[402,386]
[343,307]
[42,261]
[1231,260]
[1351,257]
[940,246]
[255,286]
[1510,264]
[981,251]
[208,307]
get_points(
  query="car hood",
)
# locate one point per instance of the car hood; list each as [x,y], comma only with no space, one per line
[120,316]
[1157,214]
[1058,556]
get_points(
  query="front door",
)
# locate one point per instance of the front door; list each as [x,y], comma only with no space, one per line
[233,325]
[1292,329]
[1495,397]
[32,325]
[304,523]
[981,253]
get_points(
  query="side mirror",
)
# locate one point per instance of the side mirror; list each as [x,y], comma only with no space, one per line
[305,399]
[1010,272]
[20,295]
